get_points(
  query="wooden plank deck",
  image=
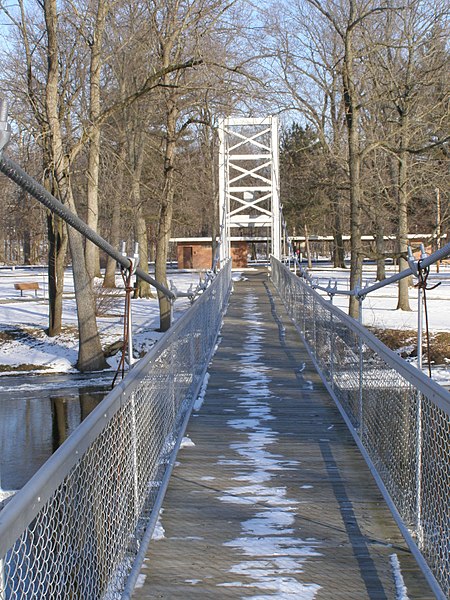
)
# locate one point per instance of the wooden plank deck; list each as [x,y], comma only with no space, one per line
[274,499]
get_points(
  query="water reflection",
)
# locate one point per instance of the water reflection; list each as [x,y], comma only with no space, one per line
[35,422]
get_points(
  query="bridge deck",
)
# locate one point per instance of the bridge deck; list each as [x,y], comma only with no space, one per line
[274,499]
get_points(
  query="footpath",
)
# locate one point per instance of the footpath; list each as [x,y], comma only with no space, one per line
[270,497]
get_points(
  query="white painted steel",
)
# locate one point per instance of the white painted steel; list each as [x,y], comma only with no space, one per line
[276,209]
[224,250]
[248,178]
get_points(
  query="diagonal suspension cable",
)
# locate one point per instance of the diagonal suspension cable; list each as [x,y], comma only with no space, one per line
[12,170]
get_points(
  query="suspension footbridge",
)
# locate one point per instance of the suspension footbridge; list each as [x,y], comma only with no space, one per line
[318,466]
[271,497]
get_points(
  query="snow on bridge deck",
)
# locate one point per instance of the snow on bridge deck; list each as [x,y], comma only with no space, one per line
[272,498]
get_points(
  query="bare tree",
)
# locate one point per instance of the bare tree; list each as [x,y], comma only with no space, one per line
[180,31]
[402,73]
[95,43]
[308,53]
[90,354]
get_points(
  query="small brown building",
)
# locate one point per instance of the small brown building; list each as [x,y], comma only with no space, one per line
[196,253]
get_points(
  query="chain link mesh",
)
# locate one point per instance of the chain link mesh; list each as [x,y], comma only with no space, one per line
[401,418]
[80,542]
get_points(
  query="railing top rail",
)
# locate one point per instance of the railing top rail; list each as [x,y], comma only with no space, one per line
[32,497]
[436,393]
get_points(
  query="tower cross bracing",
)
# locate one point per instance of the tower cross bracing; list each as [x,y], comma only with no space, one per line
[249,180]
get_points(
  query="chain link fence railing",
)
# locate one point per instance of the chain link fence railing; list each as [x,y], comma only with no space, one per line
[79,526]
[399,417]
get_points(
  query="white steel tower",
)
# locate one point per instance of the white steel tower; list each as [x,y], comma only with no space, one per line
[249,179]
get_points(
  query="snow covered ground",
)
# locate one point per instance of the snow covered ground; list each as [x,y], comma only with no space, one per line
[58,355]
[29,314]
[379,308]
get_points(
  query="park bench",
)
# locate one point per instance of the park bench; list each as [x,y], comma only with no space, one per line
[27,285]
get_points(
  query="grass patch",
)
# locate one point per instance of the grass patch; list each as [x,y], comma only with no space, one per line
[23,368]
[404,342]
[11,334]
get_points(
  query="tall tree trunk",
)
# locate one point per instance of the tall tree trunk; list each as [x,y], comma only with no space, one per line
[354,163]
[143,289]
[380,247]
[308,248]
[137,161]
[57,249]
[109,280]
[165,215]
[162,248]
[92,252]
[355,217]
[56,231]
[338,242]
[90,354]
[403,284]
[214,190]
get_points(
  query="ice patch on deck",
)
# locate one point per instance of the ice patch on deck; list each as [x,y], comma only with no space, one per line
[186,442]
[140,581]
[276,555]
[201,396]
[400,587]
[159,532]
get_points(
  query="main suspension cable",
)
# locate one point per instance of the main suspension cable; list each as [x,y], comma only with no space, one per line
[9,168]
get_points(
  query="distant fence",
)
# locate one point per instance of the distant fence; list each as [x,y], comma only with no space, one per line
[399,418]
[81,523]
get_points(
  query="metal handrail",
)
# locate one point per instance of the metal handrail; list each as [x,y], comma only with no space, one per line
[122,453]
[398,417]
[359,292]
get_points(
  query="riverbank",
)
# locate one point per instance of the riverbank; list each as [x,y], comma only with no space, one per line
[25,347]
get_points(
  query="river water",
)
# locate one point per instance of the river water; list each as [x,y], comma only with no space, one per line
[37,413]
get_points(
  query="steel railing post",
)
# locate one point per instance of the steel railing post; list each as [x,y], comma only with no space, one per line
[332,348]
[419,528]
[419,328]
[361,368]
[419,458]
[134,262]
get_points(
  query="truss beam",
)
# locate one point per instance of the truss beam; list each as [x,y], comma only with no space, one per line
[248,179]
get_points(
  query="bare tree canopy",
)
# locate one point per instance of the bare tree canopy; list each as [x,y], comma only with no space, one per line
[116,105]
